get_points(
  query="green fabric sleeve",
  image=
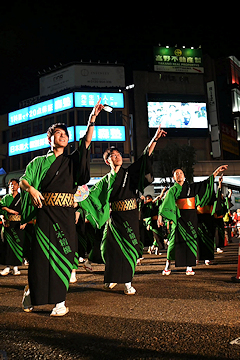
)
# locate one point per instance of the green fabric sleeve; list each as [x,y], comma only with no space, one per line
[97,205]
[205,192]
[168,208]
[34,173]
[5,202]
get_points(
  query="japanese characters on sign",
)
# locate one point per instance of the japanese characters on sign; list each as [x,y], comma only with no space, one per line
[65,102]
[38,142]
[87,99]
[103,133]
[178,60]
[33,143]
[41,109]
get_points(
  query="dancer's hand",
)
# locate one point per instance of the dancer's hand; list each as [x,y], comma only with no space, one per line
[97,108]
[159,133]
[220,170]
[160,221]
[36,197]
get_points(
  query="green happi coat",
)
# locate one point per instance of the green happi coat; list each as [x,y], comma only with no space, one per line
[222,206]
[183,239]
[207,222]
[54,245]
[151,221]
[12,249]
[120,245]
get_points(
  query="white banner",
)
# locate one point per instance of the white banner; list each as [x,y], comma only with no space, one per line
[82,75]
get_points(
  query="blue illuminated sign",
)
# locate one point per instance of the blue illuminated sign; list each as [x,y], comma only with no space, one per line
[88,99]
[103,133]
[64,102]
[39,142]
[44,108]
[33,143]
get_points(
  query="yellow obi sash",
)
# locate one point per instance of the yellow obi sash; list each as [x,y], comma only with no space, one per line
[14,217]
[124,205]
[58,199]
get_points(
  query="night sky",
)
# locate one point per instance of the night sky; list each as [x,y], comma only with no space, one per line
[36,36]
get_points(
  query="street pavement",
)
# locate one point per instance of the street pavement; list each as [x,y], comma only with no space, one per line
[174,317]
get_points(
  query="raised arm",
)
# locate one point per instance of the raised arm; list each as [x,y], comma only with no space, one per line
[91,122]
[159,133]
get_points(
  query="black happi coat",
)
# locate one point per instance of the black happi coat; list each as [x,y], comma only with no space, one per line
[55,244]
[12,249]
[183,240]
[121,243]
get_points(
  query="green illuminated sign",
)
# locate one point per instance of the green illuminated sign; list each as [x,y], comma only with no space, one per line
[178,60]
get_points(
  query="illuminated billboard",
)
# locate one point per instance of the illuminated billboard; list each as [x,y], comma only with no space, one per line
[176,114]
[39,142]
[44,108]
[81,75]
[33,143]
[89,99]
[173,59]
[64,102]
[103,133]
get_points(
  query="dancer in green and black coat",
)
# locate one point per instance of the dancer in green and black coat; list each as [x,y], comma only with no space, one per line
[50,182]
[120,246]
[180,207]
[13,231]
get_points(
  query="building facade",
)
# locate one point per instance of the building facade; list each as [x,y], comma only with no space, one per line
[24,130]
[179,79]
[196,99]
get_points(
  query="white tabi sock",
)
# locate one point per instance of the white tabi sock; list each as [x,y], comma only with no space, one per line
[128,285]
[73,275]
[189,268]
[61,304]
[168,264]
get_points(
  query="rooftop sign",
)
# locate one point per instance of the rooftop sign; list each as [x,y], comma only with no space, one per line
[175,59]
